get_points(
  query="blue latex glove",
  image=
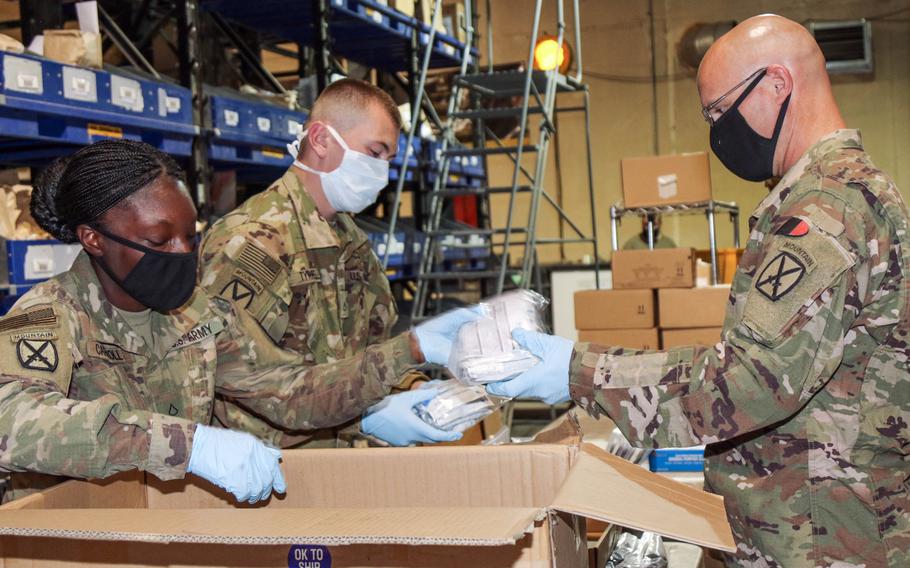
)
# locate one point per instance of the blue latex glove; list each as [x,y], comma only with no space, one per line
[236,462]
[436,336]
[548,380]
[393,420]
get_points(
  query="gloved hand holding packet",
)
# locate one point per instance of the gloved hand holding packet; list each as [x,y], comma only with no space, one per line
[484,350]
[456,407]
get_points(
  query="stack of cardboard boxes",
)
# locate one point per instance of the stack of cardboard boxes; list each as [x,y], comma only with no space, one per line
[654,303]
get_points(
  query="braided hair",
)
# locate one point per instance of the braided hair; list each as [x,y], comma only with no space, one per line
[77,189]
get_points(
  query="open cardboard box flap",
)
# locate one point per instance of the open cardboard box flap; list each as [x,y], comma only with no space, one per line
[604,487]
[455,496]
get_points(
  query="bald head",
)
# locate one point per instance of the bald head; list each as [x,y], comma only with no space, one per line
[795,74]
[759,42]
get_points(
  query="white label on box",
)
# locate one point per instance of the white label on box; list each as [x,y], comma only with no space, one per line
[293,127]
[27,82]
[44,261]
[24,75]
[231,117]
[126,93]
[79,84]
[263,123]
[167,104]
[666,186]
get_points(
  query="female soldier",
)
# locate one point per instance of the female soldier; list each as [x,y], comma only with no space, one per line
[119,363]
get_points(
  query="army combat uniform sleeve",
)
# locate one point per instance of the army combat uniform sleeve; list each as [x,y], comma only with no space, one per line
[791,312]
[278,386]
[243,265]
[384,314]
[44,431]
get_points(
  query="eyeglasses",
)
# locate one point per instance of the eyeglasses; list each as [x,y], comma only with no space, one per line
[706,111]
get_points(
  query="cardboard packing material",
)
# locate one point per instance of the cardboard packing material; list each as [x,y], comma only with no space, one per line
[695,307]
[614,309]
[658,268]
[629,338]
[16,221]
[666,180]
[11,44]
[727,262]
[496,506]
[404,6]
[453,19]
[707,336]
[74,47]
[426,16]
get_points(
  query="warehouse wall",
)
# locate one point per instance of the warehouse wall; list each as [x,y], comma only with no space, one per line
[617,59]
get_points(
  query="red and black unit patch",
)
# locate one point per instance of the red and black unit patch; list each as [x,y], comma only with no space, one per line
[794,227]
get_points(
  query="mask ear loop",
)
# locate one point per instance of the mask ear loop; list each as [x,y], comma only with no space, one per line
[743,96]
[294,147]
[780,119]
[338,137]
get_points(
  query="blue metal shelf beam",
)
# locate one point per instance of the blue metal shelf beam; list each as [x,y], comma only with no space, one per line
[48,108]
[361,30]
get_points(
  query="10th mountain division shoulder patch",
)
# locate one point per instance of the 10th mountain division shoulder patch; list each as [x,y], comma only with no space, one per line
[780,276]
[37,354]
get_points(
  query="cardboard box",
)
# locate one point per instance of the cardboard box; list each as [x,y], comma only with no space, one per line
[707,336]
[629,338]
[404,6]
[666,180]
[694,307]
[453,19]
[658,268]
[727,263]
[614,309]
[496,506]
[74,47]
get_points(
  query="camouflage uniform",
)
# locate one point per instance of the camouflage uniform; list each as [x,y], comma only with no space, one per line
[805,403]
[316,288]
[82,395]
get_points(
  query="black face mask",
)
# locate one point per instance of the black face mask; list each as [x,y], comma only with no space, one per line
[743,151]
[162,281]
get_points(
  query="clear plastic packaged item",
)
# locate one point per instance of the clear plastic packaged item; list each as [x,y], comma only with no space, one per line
[618,445]
[457,407]
[645,551]
[484,351]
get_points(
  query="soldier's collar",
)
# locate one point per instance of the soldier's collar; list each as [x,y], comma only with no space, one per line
[317,231]
[168,327]
[843,139]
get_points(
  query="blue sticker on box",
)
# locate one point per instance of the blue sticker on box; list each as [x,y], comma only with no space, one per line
[308,556]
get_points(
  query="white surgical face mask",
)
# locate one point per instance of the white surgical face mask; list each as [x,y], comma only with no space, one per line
[355,184]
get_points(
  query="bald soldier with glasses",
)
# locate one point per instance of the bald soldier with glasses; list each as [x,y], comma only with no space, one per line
[804,403]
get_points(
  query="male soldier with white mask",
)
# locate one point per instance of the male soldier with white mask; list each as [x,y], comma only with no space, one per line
[293,257]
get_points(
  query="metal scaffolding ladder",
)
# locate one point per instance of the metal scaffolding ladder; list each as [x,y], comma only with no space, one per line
[539,91]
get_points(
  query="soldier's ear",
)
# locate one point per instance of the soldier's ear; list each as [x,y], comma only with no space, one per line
[318,139]
[90,240]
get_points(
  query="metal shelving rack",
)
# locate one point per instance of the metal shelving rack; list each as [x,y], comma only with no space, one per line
[370,34]
[709,208]
[539,91]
